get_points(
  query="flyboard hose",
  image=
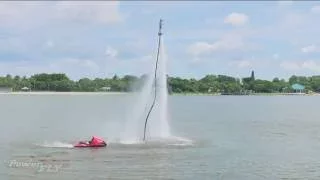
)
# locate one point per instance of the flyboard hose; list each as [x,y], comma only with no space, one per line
[155,82]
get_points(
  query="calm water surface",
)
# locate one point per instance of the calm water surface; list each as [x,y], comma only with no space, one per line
[233,137]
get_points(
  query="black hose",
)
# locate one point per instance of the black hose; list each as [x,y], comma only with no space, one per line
[155,86]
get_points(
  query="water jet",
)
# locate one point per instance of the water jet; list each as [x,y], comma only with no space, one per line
[155,81]
[149,114]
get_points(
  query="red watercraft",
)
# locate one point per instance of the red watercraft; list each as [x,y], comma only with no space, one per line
[95,142]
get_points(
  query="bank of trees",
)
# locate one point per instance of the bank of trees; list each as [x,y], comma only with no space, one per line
[207,84]
[62,83]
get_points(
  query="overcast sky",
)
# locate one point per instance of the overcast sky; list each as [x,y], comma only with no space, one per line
[99,39]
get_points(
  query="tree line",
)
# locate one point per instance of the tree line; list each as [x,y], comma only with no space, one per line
[208,84]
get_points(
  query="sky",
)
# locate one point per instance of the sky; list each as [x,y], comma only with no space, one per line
[103,38]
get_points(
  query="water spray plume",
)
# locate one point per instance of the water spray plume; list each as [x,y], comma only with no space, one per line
[149,111]
[155,81]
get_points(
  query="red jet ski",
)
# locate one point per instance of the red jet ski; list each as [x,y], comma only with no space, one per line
[95,142]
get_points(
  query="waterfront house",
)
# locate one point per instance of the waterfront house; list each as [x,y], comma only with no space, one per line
[298,88]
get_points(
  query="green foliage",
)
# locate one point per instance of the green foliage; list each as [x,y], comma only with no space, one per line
[315,83]
[263,86]
[208,84]
[60,82]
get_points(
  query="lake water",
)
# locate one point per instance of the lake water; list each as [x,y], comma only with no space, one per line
[216,137]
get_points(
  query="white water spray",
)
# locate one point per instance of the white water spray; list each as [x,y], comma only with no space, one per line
[56,144]
[157,126]
[158,121]
[135,118]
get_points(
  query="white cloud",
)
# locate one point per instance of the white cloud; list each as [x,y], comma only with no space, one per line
[96,11]
[90,65]
[137,65]
[200,48]
[76,68]
[241,64]
[49,44]
[293,20]
[311,65]
[275,56]
[146,58]
[315,9]
[244,64]
[227,43]
[29,13]
[285,3]
[300,65]
[236,19]
[287,65]
[310,49]
[64,65]
[111,52]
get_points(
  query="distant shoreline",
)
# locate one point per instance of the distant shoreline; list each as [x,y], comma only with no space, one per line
[60,93]
[173,94]
[253,94]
